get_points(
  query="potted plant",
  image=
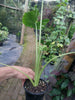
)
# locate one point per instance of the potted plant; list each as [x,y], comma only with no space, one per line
[36,89]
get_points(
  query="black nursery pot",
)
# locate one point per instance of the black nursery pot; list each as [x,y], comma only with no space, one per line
[35,96]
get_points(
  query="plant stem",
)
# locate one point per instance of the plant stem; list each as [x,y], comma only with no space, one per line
[38,51]
[41,23]
[35,79]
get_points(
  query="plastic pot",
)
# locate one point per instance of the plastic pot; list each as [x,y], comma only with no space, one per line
[34,96]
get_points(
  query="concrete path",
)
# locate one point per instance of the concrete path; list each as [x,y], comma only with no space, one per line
[10,51]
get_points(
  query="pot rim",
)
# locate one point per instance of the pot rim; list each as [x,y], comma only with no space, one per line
[40,93]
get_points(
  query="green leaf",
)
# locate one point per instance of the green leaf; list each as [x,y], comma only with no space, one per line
[64,84]
[74,90]
[67,40]
[55,92]
[59,81]
[30,18]
[59,45]
[44,22]
[56,98]
[3,35]
[62,97]
[60,17]
[74,83]
[69,93]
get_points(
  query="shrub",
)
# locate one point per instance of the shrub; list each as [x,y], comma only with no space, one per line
[5,28]
[63,89]
[3,35]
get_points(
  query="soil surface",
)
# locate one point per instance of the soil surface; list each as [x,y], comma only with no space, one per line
[41,88]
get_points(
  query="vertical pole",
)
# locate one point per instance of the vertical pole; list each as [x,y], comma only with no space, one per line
[23,26]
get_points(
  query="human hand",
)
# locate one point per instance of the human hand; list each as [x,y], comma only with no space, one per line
[21,76]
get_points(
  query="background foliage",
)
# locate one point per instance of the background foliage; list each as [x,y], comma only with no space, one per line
[11,18]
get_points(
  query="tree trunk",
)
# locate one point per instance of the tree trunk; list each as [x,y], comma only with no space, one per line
[22,33]
[23,26]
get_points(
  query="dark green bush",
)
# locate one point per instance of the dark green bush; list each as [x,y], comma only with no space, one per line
[64,88]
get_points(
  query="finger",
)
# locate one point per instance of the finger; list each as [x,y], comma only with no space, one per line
[32,73]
